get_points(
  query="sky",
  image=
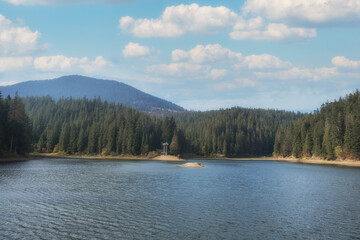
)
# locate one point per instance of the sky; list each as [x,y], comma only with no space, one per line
[279,54]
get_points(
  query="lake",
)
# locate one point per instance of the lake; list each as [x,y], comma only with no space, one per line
[95,199]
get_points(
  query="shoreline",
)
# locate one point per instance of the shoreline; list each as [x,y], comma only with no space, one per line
[15,159]
[170,158]
[109,157]
[344,163]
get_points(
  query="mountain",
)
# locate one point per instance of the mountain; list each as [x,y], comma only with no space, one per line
[76,86]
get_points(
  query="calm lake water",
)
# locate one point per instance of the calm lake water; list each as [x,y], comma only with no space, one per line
[93,199]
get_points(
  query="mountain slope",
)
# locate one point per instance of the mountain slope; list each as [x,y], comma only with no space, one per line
[79,86]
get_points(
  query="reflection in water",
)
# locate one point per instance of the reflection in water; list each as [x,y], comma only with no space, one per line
[156,200]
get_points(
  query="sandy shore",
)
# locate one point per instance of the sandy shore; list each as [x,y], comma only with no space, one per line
[192,165]
[85,156]
[118,157]
[347,163]
[34,156]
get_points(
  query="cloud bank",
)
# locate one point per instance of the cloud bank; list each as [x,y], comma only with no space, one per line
[178,20]
[59,63]
[305,11]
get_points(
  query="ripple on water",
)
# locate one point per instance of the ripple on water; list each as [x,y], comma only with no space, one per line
[86,199]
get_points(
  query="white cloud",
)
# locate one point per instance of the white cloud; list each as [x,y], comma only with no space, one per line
[53,2]
[257,29]
[135,50]
[208,53]
[14,63]
[58,63]
[181,19]
[62,63]
[215,53]
[264,61]
[231,85]
[15,40]
[315,74]
[189,70]
[308,11]
[96,65]
[340,61]
[217,73]
[178,20]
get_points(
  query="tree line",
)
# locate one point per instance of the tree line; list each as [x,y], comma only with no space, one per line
[92,126]
[333,132]
[233,132]
[15,130]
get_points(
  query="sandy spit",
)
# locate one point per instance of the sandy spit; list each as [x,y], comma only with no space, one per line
[192,165]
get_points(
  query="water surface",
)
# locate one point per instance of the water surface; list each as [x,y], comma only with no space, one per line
[94,199]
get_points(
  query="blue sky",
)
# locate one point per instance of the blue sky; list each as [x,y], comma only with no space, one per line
[282,54]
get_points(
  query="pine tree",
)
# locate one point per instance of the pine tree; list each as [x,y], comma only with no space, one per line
[168,127]
[308,144]
[119,142]
[64,138]
[19,127]
[111,138]
[82,140]
[296,142]
[93,139]
[174,146]
[73,140]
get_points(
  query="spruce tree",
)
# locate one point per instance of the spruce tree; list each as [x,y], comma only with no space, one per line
[174,146]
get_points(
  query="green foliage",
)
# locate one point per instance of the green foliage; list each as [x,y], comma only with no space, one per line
[329,133]
[232,132]
[339,153]
[95,127]
[174,146]
[15,129]
[167,128]
[178,142]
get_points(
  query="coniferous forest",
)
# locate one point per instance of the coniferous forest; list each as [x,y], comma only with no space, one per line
[333,132]
[84,126]
[233,132]
[96,127]
[15,131]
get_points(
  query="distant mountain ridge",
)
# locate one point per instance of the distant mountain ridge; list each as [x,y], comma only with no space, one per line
[76,86]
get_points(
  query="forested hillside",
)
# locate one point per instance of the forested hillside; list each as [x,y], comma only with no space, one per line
[96,127]
[83,126]
[233,132]
[15,133]
[329,133]
[77,87]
